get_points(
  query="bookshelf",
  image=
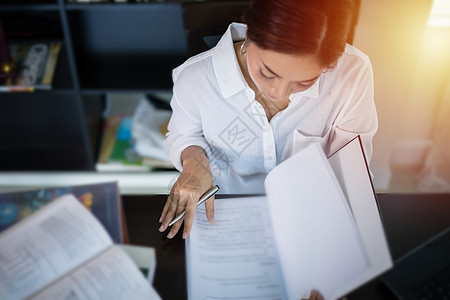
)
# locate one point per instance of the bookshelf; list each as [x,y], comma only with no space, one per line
[52,137]
[107,48]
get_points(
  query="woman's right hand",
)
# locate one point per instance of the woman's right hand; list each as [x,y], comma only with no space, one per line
[193,182]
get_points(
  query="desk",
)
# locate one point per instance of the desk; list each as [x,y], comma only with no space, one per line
[409,220]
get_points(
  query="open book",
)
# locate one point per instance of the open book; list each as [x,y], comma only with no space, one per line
[318,227]
[63,252]
[102,199]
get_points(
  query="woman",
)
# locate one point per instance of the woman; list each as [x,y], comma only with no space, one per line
[268,89]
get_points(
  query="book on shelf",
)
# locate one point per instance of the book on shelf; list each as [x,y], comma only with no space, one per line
[121,149]
[317,228]
[63,252]
[34,65]
[117,151]
[102,199]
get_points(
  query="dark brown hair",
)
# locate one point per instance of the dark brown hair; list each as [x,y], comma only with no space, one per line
[318,27]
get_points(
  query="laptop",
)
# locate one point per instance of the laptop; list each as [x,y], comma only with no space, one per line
[423,273]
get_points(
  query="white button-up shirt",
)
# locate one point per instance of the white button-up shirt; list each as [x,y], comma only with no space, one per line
[214,108]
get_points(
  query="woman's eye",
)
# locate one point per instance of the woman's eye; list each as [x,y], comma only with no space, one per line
[265,76]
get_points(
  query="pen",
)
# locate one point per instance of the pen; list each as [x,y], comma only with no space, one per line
[202,199]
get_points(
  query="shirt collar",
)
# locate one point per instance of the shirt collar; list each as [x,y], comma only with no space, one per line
[225,64]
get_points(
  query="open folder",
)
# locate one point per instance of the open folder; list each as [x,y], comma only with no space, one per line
[318,227]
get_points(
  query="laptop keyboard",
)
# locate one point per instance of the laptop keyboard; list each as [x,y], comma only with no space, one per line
[436,288]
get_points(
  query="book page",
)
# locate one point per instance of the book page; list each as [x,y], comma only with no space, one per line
[237,257]
[102,199]
[352,172]
[143,257]
[48,244]
[112,275]
[316,235]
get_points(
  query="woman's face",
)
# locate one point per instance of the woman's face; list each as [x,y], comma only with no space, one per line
[278,75]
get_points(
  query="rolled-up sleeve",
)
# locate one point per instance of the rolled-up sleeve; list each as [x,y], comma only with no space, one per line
[184,130]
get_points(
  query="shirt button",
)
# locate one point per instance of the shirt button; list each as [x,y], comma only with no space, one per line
[266,129]
[269,157]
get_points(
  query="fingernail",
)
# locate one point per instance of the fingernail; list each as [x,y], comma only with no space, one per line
[212,221]
[170,235]
[185,235]
[161,228]
[160,219]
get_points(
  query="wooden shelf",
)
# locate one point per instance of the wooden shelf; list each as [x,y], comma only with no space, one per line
[129,183]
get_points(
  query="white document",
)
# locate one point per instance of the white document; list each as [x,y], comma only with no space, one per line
[56,242]
[351,169]
[316,234]
[237,258]
[302,236]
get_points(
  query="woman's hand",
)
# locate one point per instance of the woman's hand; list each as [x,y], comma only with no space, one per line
[193,182]
[314,295]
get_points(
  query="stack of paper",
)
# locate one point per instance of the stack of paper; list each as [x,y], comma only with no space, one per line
[317,228]
[149,129]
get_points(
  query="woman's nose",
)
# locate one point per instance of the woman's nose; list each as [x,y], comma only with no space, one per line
[280,90]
